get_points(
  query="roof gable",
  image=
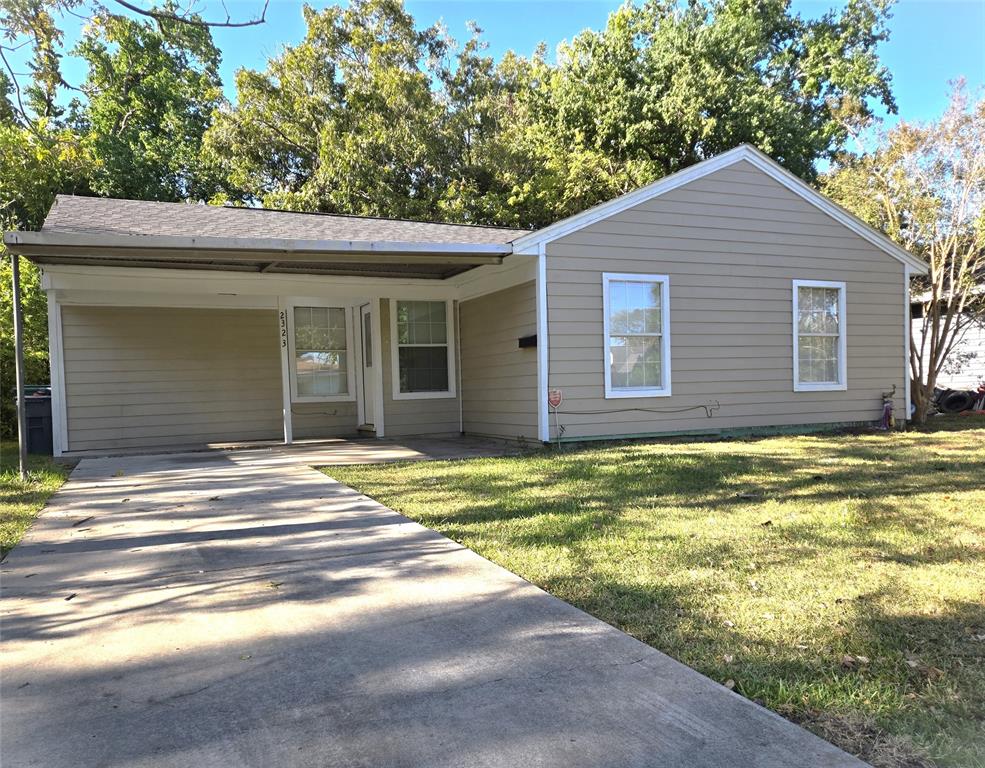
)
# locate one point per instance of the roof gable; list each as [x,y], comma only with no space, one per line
[533,242]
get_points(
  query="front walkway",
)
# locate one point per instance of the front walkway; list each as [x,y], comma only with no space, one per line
[242,609]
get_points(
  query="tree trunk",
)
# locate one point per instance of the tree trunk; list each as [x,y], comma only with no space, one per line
[923,396]
[921,402]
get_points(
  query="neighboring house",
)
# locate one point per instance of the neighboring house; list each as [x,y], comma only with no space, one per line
[965,367]
[730,295]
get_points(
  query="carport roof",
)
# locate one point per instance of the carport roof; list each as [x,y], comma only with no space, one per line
[108,232]
[96,215]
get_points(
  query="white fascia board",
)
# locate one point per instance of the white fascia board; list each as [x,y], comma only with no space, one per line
[264,245]
[835,211]
[907,331]
[479,281]
[128,281]
[528,244]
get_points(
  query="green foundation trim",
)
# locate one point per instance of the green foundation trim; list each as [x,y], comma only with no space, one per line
[788,429]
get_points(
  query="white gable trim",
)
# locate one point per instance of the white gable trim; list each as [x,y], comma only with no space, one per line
[528,244]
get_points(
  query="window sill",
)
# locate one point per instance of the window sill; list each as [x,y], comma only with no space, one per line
[326,399]
[424,395]
[820,387]
[615,393]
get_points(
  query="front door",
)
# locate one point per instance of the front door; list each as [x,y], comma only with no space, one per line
[369,375]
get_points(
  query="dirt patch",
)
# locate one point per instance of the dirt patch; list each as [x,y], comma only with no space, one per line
[863,738]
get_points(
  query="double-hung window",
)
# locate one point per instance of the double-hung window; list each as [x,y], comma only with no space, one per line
[320,347]
[423,365]
[819,346]
[637,335]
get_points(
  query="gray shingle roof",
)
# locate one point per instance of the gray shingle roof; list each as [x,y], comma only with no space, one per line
[97,215]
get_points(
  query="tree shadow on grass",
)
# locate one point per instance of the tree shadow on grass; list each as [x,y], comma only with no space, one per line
[578,496]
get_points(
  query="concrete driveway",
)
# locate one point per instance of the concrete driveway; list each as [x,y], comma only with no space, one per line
[241,609]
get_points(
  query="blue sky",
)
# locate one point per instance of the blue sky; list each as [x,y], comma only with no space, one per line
[932,41]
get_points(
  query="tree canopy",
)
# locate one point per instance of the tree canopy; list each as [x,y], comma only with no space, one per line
[924,186]
[369,114]
[149,96]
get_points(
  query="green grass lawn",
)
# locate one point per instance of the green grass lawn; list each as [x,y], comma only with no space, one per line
[837,579]
[21,501]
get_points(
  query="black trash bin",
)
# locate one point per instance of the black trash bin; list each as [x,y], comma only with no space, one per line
[37,414]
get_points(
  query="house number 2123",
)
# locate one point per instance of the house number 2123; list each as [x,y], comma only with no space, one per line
[283,329]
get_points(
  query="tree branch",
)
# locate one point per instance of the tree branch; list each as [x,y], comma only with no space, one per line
[28,122]
[165,16]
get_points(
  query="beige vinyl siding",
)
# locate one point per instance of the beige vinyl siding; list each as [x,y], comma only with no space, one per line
[417,416]
[318,420]
[731,244]
[139,377]
[499,380]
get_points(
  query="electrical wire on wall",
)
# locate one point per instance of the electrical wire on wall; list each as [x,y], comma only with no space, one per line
[710,410]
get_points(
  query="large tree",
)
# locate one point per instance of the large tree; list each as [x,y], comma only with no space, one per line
[666,84]
[32,170]
[924,186]
[367,115]
[149,95]
[371,115]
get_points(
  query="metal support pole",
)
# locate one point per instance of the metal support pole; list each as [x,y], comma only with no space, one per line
[19,364]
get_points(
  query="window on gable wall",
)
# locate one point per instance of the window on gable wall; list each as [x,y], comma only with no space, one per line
[637,335]
[819,335]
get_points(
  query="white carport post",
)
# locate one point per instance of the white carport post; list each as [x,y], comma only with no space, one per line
[543,350]
[285,369]
[15,272]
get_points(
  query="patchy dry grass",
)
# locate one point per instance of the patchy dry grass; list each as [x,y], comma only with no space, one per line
[20,501]
[837,579]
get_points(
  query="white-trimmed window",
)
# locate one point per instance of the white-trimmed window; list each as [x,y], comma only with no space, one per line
[320,343]
[423,365]
[819,343]
[637,334]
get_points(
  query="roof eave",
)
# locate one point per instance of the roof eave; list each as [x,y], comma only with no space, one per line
[54,243]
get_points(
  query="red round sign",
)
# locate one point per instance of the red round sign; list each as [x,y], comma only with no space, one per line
[554,398]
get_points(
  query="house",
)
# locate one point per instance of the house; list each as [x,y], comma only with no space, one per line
[964,368]
[728,296]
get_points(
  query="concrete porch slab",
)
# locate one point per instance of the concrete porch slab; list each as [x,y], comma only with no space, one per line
[347,450]
[242,609]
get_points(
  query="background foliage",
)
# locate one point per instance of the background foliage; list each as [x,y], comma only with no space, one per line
[924,186]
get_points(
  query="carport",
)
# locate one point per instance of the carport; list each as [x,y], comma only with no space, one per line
[176,325]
